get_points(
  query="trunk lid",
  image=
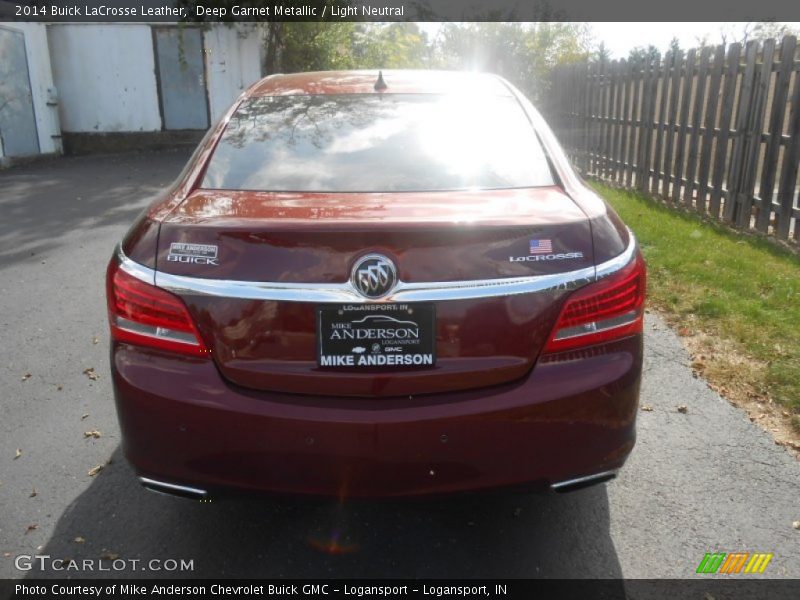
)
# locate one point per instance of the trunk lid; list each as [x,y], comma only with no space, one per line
[431,237]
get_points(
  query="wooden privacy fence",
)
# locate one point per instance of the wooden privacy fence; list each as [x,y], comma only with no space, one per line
[716,130]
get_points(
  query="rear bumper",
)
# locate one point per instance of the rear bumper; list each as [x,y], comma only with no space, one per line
[569,418]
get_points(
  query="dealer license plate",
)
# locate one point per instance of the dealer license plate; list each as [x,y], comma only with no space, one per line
[385,336]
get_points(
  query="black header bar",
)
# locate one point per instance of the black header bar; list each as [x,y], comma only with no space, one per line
[170,11]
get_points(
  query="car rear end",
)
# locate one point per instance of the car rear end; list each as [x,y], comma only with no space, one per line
[364,292]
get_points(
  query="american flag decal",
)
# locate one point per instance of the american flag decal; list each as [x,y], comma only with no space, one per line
[541,246]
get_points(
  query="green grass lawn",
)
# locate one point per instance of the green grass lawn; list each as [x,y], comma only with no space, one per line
[741,292]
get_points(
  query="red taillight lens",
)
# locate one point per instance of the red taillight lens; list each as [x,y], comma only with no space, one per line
[608,309]
[141,313]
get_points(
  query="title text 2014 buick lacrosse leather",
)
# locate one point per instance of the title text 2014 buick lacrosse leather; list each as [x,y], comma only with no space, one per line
[375,285]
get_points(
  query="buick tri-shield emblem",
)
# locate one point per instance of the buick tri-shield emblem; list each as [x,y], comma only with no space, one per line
[374,276]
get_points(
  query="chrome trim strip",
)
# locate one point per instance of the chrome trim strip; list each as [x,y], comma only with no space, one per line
[615,264]
[135,269]
[578,480]
[167,487]
[157,333]
[597,326]
[403,292]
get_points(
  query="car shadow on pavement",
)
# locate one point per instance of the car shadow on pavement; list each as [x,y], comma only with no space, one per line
[498,535]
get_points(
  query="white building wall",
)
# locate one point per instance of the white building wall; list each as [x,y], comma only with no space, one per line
[233,62]
[105,74]
[98,78]
[41,79]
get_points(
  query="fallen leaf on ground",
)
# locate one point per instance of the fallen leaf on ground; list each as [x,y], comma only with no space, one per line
[684,332]
[26,376]
[6,554]
[109,556]
[647,408]
[84,416]
[90,373]
[60,387]
[95,340]
[79,540]
[31,528]
[18,453]
[95,470]
[34,493]
[92,434]
[683,409]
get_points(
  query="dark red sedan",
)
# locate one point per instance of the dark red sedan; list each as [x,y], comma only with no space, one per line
[371,284]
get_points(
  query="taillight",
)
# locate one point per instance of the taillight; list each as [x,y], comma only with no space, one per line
[143,314]
[606,310]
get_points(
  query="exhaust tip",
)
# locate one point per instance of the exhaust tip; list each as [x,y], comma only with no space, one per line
[570,485]
[172,489]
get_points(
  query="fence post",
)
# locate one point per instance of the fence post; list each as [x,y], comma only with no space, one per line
[754,134]
[694,135]
[791,160]
[661,129]
[685,98]
[623,124]
[586,85]
[708,129]
[728,94]
[597,121]
[769,170]
[591,94]
[675,89]
[607,112]
[630,137]
[731,212]
[649,89]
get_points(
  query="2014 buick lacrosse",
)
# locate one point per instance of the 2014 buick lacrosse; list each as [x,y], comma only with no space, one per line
[377,284]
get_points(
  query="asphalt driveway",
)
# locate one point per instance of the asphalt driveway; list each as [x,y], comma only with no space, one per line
[707,480]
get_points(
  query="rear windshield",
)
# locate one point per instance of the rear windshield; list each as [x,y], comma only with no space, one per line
[378,143]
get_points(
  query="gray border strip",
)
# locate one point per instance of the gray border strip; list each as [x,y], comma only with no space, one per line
[403,292]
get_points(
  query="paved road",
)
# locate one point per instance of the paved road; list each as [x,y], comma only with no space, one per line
[696,482]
